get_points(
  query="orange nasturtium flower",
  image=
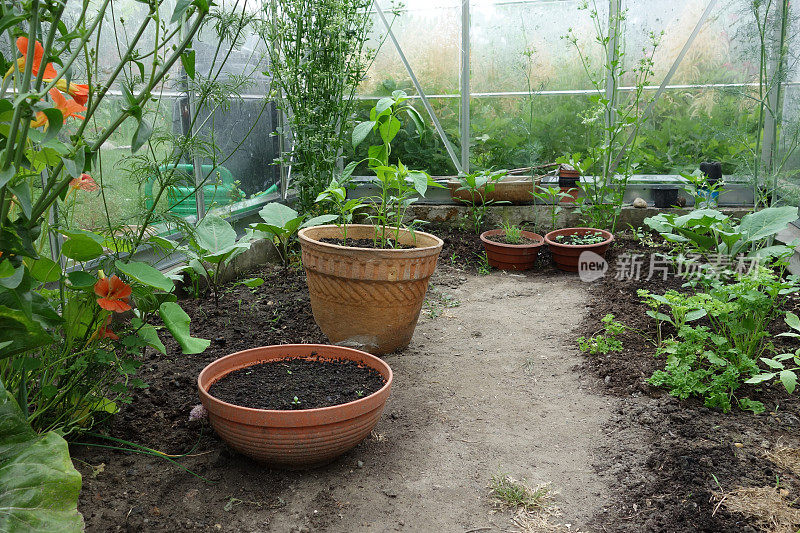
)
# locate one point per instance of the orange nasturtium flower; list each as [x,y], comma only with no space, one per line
[78,91]
[38,55]
[68,108]
[105,332]
[85,183]
[113,293]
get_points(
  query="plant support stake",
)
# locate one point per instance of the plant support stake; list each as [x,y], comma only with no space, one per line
[450,151]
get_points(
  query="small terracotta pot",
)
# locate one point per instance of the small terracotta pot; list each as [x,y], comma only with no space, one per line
[298,438]
[367,298]
[511,256]
[566,256]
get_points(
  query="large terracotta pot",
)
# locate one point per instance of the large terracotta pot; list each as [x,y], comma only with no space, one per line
[367,298]
[566,256]
[299,438]
[516,190]
[511,256]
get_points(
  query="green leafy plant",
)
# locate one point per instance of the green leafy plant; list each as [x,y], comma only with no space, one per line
[613,118]
[682,308]
[575,239]
[336,193]
[607,340]
[484,268]
[318,56]
[282,223]
[212,246]
[713,361]
[399,186]
[712,233]
[783,366]
[552,197]
[704,364]
[512,233]
[30,462]
[477,185]
[701,188]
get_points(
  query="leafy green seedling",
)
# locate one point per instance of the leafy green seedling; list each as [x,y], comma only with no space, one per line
[786,365]
[283,222]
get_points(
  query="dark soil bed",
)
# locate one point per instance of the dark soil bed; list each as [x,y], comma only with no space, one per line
[673,460]
[368,243]
[297,384]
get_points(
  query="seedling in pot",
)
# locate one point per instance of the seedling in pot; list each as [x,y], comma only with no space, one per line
[512,233]
[336,193]
[575,239]
[296,402]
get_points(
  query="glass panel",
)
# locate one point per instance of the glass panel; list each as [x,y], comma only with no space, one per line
[515,132]
[719,54]
[429,32]
[517,46]
[690,126]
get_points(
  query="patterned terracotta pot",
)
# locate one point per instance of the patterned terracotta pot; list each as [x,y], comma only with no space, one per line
[511,256]
[367,298]
[567,256]
[299,438]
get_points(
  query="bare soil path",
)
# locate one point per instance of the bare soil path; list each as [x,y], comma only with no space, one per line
[486,386]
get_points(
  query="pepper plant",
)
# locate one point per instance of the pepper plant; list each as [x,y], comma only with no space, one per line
[399,186]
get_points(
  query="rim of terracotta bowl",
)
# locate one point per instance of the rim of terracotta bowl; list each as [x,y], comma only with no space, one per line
[287,417]
[529,234]
[303,237]
[572,231]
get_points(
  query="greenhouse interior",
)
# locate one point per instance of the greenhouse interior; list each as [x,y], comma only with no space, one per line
[212,211]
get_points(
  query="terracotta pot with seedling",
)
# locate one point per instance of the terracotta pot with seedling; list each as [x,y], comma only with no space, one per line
[295,405]
[511,248]
[566,245]
[367,282]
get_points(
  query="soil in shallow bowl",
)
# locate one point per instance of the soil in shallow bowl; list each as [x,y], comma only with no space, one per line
[566,245]
[340,395]
[511,256]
